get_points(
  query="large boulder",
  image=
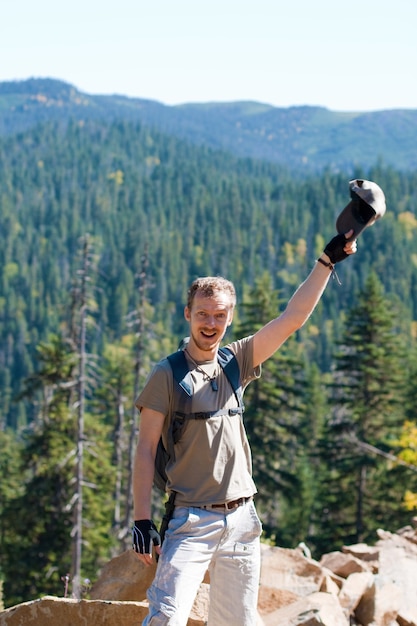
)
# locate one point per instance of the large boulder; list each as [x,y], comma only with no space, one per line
[52,611]
[290,570]
[124,578]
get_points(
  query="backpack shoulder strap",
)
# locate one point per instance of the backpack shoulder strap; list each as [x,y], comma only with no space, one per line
[164,453]
[182,377]
[228,362]
[180,370]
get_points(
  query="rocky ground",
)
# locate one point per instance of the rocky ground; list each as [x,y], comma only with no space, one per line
[359,586]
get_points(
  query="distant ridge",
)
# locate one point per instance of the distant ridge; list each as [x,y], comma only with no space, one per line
[306,139]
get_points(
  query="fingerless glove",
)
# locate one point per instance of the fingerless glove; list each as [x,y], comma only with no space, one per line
[144,532]
[334,249]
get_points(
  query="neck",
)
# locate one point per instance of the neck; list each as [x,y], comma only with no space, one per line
[201,355]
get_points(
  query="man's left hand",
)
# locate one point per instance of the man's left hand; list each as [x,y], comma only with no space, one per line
[339,248]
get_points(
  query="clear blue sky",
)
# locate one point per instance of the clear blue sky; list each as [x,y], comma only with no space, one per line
[347,56]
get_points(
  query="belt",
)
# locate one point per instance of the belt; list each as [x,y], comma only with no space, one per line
[232,504]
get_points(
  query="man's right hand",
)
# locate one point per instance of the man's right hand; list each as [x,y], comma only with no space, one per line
[144,534]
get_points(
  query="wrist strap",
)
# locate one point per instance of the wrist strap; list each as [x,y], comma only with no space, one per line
[326,264]
[331,268]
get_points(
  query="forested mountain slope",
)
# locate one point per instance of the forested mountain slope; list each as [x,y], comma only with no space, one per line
[193,210]
[109,207]
[304,138]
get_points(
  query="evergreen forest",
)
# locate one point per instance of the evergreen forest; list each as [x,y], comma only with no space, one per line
[103,226]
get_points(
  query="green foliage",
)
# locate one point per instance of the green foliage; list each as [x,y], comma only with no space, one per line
[196,211]
[406,445]
[358,493]
[37,518]
[11,486]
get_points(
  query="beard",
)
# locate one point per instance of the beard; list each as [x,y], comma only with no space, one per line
[206,342]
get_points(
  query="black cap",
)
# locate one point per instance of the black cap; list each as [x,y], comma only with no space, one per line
[366,206]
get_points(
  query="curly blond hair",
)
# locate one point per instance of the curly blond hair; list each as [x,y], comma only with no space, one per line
[207,286]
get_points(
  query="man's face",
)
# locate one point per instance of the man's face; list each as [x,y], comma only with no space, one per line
[209,319]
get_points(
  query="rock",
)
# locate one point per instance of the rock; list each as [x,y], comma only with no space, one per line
[51,611]
[398,565]
[317,610]
[289,570]
[343,564]
[123,578]
[365,553]
[271,598]
[331,583]
[379,606]
[354,588]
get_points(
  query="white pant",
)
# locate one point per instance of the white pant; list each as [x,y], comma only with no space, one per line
[225,542]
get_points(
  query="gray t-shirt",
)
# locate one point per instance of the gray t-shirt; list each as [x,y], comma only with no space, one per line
[212,459]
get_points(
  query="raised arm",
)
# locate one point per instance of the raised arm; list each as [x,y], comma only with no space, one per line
[269,338]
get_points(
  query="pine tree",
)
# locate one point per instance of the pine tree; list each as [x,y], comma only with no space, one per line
[315,409]
[126,522]
[273,419]
[406,446]
[10,488]
[366,396]
[37,518]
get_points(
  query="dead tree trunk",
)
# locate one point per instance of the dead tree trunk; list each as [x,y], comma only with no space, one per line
[79,476]
[133,432]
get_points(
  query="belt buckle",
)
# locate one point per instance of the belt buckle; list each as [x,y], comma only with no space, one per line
[234,504]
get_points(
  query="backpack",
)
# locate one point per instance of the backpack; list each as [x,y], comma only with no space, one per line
[179,417]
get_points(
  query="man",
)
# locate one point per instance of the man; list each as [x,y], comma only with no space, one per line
[215,525]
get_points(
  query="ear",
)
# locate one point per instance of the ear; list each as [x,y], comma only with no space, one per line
[230,317]
[187,313]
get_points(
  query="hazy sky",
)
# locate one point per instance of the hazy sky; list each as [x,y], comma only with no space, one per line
[354,56]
